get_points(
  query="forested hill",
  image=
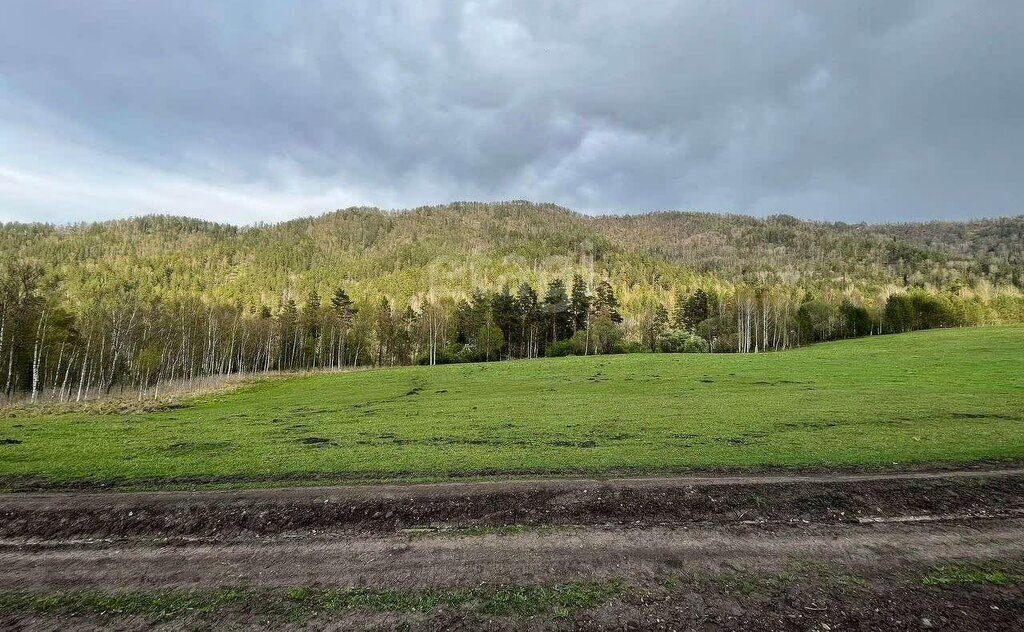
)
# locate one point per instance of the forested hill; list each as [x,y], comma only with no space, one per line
[737,247]
[459,247]
[132,303]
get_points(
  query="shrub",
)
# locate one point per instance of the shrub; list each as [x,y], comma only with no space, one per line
[630,346]
[559,349]
[679,341]
[442,356]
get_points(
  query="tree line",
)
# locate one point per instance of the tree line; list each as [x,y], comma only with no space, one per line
[54,346]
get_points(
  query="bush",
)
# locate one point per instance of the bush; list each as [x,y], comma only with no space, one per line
[696,344]
[679,341]
[454,354]
[468,353]
[579,343]
[1009,309]
[630,346]
[559,349]
[442,356]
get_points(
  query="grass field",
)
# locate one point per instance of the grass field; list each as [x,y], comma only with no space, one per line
[936,396]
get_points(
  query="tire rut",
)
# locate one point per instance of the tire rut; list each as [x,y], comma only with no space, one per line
[405,562]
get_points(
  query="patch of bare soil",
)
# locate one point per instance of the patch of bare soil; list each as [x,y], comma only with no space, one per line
[818,601]
[791,578]
[398,560]
[825,498]
[801,552]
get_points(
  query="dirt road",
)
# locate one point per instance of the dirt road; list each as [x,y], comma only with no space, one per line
[820,498]
[914,550]
[418,561]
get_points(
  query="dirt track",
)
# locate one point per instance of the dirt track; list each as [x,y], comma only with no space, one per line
[821,498]
[428,562]
[887,529]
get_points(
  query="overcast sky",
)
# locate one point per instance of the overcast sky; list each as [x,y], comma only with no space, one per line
[244,111]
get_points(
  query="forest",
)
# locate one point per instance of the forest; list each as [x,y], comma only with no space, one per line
[127,306]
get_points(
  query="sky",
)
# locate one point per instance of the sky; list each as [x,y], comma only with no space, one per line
[255,110]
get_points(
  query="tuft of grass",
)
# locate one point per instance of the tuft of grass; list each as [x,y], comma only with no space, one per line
[486,530]
[559,599]
[302,603]
[948,396]
[482,530]
[957,575]
[156,606]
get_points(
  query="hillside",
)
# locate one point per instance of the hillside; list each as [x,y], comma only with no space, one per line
[468,245]
[128,304]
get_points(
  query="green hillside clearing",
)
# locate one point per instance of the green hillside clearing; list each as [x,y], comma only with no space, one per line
[935,396]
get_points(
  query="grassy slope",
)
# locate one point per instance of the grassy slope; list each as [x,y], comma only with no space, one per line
[955,395]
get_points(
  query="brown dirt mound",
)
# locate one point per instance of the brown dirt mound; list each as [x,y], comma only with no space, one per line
[826,499]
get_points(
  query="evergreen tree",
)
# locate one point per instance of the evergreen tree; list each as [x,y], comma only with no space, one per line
[289,320]
[385,328]
[472,314]
[504,316]
[693,310]
[528,310]
[311,315]
[580,302]
[557,310]
[344,308]
[605,299]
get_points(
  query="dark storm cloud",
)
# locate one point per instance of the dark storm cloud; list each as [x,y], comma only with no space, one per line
[257,110]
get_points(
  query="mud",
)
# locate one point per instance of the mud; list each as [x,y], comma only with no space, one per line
[398,560]
[789,552]
[822,498]
[794,577]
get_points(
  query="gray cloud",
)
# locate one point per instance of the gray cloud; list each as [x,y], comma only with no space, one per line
[244,111]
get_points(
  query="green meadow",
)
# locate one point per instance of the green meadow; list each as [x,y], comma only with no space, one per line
[941,396]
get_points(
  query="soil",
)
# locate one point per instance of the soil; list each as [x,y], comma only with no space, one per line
[821,498]
[561,556]
[800,552]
